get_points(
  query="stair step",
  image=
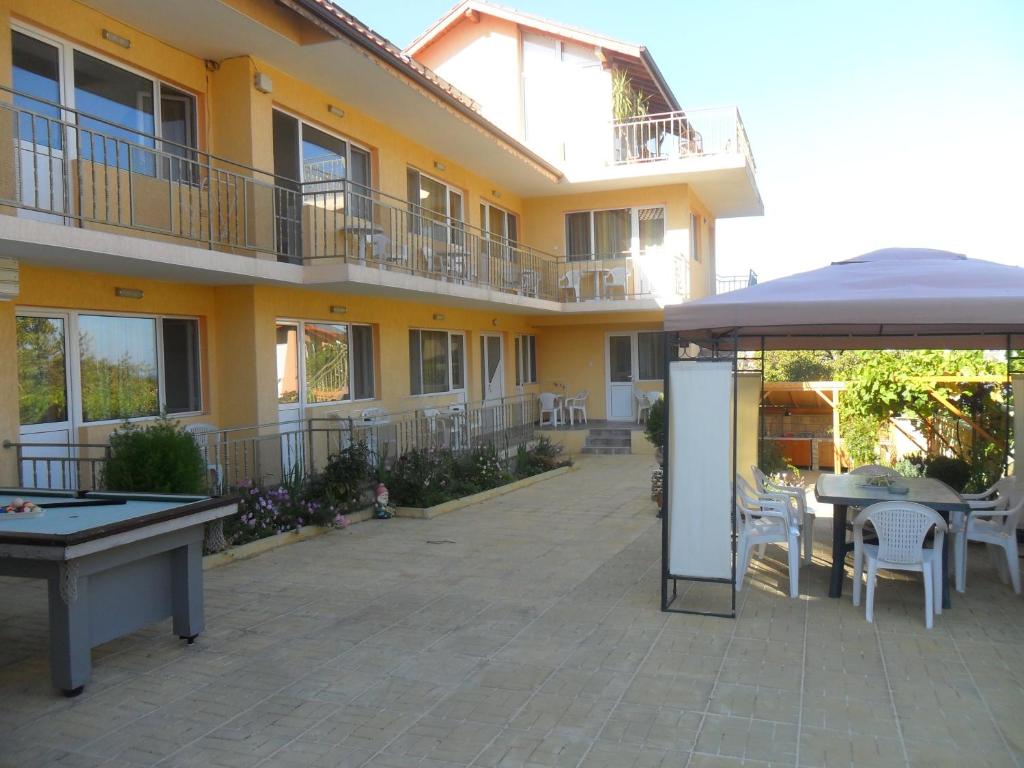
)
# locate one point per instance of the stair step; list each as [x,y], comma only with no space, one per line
[605,450]
[623,431]
[608,442]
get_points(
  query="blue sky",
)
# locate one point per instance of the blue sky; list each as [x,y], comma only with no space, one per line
[873,124]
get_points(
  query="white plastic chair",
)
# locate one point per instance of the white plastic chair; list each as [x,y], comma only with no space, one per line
[765,519]
[549,405]
[577,404]
[901,527]
[437,432]
[616,277]
[804,517]
[993,520]
[201,434]
[643,404]
[530,282]
[459,425]
[570,281]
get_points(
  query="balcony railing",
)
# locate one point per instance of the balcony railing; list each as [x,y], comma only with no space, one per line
[75,168]
[726,283]
[677,135]
[272,453]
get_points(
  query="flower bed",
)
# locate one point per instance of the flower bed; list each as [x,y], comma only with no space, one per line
[424,479]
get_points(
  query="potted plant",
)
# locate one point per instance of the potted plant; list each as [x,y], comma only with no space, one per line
[654,431]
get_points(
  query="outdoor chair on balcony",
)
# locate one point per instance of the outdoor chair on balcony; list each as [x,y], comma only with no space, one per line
[798,498]
[577,404]
[993,520]
[570,281]
[614,279]
[765,519]
[530,282]
[901,527]
[549,406]
[202,434]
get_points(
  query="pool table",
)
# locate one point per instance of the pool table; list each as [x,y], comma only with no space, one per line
[114,562]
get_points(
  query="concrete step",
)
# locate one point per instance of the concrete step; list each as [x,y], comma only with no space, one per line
[610,432]
[605,450]
[608,442]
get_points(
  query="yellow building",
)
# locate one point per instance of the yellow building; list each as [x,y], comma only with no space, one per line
[254,213]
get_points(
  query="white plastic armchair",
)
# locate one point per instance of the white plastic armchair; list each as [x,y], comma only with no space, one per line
[549,406]
[901,527]
[577,404]
[798,497]
[643,404]
[994,522]
[616,277]
[765,519]
[570,281]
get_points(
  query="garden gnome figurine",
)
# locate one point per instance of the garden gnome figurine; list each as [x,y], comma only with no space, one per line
[381,508]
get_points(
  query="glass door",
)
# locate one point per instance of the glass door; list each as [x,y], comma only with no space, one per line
[40,139]
[44,406]
[621,366]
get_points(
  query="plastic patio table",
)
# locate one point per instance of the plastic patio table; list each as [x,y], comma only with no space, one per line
[845,491]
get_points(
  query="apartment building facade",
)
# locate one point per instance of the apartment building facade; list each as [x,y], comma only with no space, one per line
[246,212]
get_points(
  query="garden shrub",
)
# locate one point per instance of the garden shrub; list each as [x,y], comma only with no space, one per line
[344,480]
[654,431]
[264,512]
[542,457]
[422,478]
[159,457]
[770,458]
[956,473]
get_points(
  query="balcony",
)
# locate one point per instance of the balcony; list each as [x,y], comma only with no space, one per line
[76,169]
[726,283]
[680,135]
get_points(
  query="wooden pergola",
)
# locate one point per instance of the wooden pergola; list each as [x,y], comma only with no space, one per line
[823,397]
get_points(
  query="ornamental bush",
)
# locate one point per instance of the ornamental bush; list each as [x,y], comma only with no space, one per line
[345,479]
[264,512]
[159,457]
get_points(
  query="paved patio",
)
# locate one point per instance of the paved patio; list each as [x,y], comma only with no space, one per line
[525,631]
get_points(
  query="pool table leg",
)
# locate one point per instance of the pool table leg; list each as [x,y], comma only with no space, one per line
[70,636]
[839,549]
[187,590]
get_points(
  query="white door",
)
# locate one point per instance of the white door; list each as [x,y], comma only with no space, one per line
[44,386]
[492,367]
[621,365]
[41,137]
[290,391]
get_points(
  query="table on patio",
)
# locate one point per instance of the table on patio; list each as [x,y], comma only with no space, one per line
[849,490]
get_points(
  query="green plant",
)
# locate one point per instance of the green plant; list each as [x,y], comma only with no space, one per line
[542,457]
[654,430]
[770,458]
[157,458]
[264,512]
[799,365]
[627,101]
[345,478]
[954,472]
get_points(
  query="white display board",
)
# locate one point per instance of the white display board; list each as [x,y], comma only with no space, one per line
[700,469]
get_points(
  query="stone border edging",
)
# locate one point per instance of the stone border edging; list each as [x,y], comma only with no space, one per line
[425,513]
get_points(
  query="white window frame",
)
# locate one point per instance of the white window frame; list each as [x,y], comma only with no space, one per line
[300,326]
[485,223]
[73,359]
[525,371]
[349,144]
[65,52]
[448,189]
[465,363]
[634,234]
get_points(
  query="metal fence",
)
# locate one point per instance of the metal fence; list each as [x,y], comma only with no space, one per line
[275,452]
[726,283]
[72,167]
[675,135]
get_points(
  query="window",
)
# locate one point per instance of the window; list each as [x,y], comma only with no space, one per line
[437,208]
[336,362]
[614,233]
[526,360]
[132,366]
[437,362]
[695,237]
[502,228]
[318,160]
[650,355]
[119,107]
[42,376]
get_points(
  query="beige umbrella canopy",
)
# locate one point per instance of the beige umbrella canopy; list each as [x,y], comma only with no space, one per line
[893,298]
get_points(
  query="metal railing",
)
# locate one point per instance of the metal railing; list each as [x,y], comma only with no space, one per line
[654,273]
[676,135]
[72,167]
[726,283]
[274,452]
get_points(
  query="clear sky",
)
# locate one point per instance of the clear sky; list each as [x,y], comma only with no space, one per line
[874,123]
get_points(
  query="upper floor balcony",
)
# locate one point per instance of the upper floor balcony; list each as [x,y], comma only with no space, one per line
[72,168]
[679,135]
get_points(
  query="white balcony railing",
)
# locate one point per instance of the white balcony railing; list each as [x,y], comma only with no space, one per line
[677,135]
